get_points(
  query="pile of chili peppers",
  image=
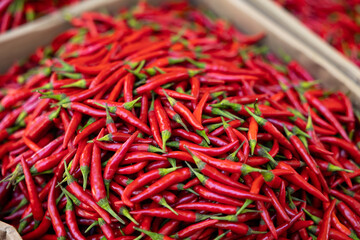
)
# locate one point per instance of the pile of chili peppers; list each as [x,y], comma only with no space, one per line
[336,21]
[166,123]
[14,13]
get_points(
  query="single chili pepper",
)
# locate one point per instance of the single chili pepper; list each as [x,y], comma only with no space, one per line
[227,190]
[157,81]
[174,94]
[325,226]
[143,180]
[185,216]
[229,166]
[144,109]
[296,179]
[164,123]
[188,136]
[213,173]
[209,207]
[128,117]
[35,203]
[54,213]
[122,137]
[48,163]
[138,147]
[115,160]
[41,229]
[188,231]
[84,109]
[179,175]
[207,194]
[182,145]
[85,161]
[252,134]
[132,168]
[272,130]
[300,148]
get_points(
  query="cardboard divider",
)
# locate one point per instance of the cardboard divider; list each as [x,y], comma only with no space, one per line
[300,31]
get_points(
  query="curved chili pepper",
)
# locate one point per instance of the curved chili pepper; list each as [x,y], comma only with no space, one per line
[89,130]
[41,229]
[177,176]
[325,226]
[299,181]
[35,203]
[272,130]
[182,145]
[157,81]
[185,216]
[164,123]
[300,148]
[213,173]
[115,160]
[227,190]
[54,213]
[209,207]
[185,113]
[141,181]
[188,231]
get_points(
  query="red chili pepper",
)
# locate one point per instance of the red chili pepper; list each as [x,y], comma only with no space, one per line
[97,183]
[115,160]
[213,173]
[228,190]
[296,179]
[272,130]
[325,226]
[164,123]
[300,148]
[141,181]
[209,207]
[182,145]
[252,134]
[185,216]
[54,213]
[35,203]
[41,229]
[349,147]
[177,176]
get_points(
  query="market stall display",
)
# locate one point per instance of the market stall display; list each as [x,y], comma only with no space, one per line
[168,122]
